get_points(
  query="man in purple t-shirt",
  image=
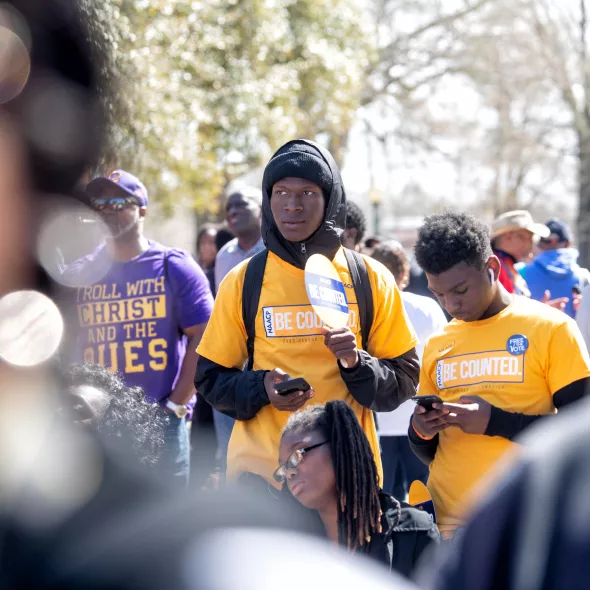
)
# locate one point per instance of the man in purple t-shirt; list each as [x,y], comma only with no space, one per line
[145,317]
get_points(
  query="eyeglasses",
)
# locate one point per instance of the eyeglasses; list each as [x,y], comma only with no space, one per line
[293,461]
[113,203]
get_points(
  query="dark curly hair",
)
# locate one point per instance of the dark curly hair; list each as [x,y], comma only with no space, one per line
[446,239]
[393,256]
[355,218]
[357,479]
[129,417]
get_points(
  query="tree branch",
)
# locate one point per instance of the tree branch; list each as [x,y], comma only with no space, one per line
[438,22]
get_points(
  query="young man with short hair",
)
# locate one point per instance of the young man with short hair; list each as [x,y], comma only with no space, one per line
[243,215]
[502,363]
[146,315]
[303,213]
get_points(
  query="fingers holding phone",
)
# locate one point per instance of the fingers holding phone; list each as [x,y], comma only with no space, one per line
[284,393]
[471,414]
[429,416]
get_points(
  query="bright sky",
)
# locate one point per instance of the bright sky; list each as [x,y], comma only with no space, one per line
[433,174]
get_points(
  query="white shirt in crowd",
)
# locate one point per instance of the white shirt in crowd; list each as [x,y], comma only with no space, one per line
[427,317]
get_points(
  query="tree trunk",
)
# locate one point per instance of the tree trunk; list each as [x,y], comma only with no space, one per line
[584,209]
[511,199]
[583,129]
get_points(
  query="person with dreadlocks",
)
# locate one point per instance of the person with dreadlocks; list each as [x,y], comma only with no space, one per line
[327,465]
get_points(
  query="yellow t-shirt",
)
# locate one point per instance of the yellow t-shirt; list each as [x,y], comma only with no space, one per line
[288,337]
[516,361]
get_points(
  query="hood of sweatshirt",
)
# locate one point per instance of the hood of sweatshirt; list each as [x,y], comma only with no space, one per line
[558,264]
[305,159]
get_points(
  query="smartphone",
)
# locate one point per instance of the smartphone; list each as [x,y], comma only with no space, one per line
[287,387]
[426,401]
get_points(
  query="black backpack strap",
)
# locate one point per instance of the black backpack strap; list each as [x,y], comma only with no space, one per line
[363,292]
[251,298]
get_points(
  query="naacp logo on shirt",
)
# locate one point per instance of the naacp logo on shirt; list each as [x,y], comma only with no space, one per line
[295,321]
[490,366]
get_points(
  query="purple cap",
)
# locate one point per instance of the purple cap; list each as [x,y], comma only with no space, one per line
[121,180]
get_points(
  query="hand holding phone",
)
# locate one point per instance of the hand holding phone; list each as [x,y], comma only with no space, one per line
[426,401]
[427,420]
[286,394]
[292,385]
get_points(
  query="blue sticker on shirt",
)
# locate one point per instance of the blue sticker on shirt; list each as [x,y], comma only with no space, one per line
[517,344]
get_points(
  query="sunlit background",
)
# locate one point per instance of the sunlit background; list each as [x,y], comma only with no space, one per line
[426,104]
[478,105]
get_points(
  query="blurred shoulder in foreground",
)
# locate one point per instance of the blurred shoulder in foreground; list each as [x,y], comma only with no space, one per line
[533,530]
[90,519]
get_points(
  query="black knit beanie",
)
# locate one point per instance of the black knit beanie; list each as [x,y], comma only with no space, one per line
[298,160]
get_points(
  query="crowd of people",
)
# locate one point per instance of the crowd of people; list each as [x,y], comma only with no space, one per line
[473,388]
[349,448]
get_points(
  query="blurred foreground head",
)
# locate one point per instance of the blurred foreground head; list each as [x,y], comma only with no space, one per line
[50,120]
[531,531]
[50,126]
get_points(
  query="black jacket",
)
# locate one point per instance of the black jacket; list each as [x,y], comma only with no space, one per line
[131,531]
[378,384]
[406,532]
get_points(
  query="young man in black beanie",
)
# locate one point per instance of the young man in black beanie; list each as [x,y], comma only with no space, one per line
[303,213]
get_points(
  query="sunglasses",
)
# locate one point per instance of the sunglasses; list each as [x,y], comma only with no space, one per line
[113,203]
[293,461]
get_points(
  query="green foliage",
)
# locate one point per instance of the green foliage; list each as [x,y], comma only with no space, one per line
[201,91]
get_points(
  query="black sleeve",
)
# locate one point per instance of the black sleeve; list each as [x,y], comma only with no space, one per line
[425,450]
[510,424]
[382,385]
[239,394]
